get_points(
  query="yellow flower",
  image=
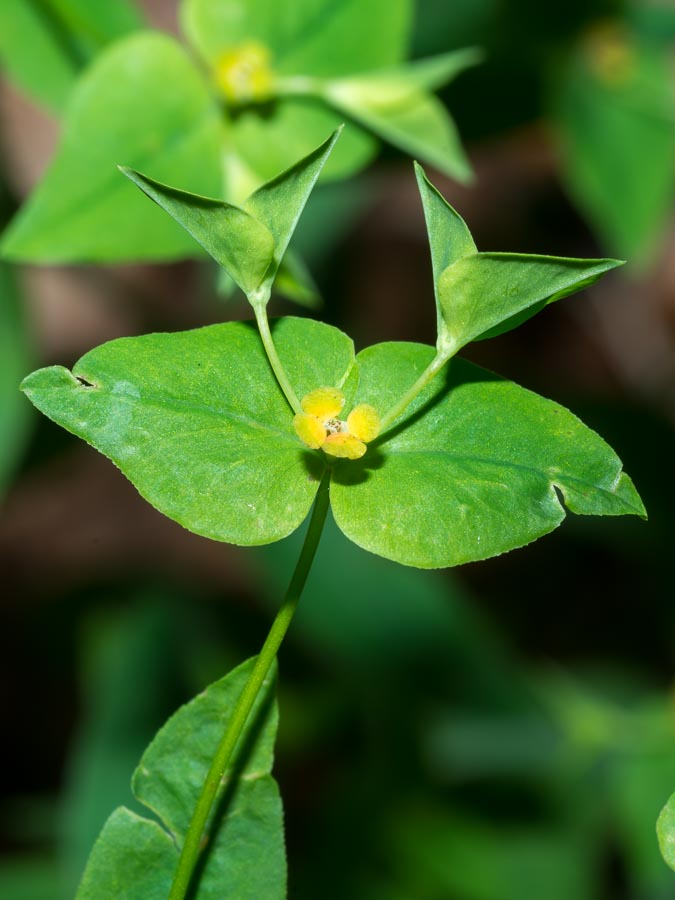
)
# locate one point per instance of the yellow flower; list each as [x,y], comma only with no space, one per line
[244,75]
[318,425]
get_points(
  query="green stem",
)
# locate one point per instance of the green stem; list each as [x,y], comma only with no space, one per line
[260,311]
[427,375]
[193,839]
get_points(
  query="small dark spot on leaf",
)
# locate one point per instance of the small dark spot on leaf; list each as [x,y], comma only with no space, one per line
[84,382]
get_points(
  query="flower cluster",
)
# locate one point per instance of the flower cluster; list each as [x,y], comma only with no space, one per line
[318,426]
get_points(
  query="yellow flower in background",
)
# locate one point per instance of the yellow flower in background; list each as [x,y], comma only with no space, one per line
[318,426]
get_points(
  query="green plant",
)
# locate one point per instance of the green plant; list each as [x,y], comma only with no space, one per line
[261,85]
[236,434]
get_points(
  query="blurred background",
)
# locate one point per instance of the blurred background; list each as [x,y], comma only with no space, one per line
[501,731]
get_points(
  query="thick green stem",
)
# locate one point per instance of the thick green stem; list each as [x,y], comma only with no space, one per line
[260,311]
[427,375]
[193,839]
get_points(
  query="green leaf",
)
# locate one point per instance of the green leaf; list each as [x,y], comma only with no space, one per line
[248,243]
[279,203]
[238,242]
[449,237]
[617,124]
[477,467]
[144,104]
[44,44]
[396,105]
[295,281]
[307,37]
[486,294]
[136,857]
[270,144]
[32,877]
[315,38]
[197,421]
[665,829]
[122,650]
[15,357]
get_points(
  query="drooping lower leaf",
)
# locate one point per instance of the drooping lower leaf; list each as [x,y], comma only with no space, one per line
[197,422]
[144,104]
[135,857]
[475,467]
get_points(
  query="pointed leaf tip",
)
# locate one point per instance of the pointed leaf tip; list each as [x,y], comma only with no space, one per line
[278,204]
[237,241]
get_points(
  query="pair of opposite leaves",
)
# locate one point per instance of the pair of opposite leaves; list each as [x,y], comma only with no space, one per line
[473,467]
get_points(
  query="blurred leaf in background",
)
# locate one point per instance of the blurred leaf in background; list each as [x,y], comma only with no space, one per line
[44,43]
[15,358]
[615,108]
[273,82]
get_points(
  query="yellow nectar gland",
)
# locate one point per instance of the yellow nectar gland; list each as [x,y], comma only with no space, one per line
[243,74]
[318,425]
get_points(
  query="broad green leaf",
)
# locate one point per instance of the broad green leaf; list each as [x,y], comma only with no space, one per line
[478,466]
[486,294]
[135,857]
[197,421]
[279,203]
[307,37]
[44,44]
[616,112]
[14,360]
[238,242]
[665,829]
[143,104]
[449,237]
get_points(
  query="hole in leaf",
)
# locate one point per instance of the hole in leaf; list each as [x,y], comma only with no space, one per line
[84,382]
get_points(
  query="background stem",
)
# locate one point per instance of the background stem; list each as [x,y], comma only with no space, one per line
[193,838]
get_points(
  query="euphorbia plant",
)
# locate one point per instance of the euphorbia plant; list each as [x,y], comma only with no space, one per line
[258,86]
[238,433]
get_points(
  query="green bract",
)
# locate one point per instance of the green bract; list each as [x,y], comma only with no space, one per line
[468,465]
[268,82]
[135,857]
